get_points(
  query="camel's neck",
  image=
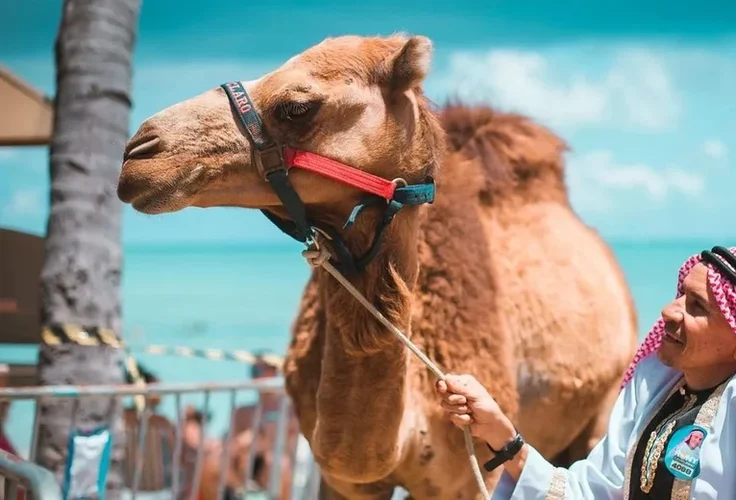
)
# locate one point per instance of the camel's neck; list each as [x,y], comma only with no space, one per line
[361,397]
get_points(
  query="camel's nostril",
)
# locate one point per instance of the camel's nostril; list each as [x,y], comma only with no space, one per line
[141,148]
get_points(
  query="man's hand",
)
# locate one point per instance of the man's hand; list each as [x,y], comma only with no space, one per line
[468,403]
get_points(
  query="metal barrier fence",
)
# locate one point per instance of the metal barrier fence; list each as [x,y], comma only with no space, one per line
[20,479]
[216,470]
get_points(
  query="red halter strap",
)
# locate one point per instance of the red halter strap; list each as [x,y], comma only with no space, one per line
[339,172]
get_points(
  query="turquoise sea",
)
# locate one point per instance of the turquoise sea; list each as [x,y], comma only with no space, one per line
[245,297]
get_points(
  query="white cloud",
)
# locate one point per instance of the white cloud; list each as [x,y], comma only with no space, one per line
[716,149]
[641,82]
[635,91]
[518,80]
[595,178]
[25,202]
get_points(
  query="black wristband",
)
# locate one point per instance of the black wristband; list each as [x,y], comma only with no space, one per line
[506,453]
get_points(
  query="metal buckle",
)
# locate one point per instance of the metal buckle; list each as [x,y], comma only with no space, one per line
[269,160]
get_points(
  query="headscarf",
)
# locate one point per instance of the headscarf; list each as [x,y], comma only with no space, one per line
[723,289]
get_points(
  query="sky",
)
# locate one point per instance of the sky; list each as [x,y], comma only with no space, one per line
[642,92]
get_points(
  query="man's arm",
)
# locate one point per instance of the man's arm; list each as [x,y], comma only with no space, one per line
[600,476]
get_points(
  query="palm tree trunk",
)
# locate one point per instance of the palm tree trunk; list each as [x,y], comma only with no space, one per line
[80,280]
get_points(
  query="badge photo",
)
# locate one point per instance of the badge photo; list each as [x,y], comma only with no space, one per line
[682,457]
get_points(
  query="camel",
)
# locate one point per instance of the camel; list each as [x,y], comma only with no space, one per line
[497,276]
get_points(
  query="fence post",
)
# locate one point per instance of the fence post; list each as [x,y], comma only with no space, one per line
[39,482]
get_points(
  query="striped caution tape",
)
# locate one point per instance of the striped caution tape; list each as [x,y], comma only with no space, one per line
[95,336]
[238,356]
[81,335]
[131,365]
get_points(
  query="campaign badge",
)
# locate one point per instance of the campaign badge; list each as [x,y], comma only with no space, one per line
[682,457]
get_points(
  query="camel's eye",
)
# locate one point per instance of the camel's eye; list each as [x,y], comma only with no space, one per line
[294,111]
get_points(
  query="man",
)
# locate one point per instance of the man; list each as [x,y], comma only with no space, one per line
[157,448]
[687,449]
[264,439]
[270,402]
[687,389]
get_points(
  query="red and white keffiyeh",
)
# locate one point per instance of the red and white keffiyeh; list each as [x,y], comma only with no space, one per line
[723,290]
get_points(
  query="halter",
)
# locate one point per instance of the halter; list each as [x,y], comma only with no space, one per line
[273,161]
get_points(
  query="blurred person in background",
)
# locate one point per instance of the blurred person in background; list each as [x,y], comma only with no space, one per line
[244,436]
[156,450]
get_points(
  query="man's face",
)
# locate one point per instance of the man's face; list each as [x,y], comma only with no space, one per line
[695,439]
[697,334]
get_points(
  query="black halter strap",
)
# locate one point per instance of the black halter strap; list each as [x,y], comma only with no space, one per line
[723,260]
[269,160]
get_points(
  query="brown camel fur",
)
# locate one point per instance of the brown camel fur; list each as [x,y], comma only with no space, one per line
[499,277]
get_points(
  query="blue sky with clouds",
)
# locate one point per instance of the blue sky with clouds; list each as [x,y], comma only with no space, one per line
[643,92]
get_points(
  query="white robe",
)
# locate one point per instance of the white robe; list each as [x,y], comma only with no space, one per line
[601,476]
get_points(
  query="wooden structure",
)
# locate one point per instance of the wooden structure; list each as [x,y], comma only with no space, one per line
[26,115]
[26,119]
[21,258]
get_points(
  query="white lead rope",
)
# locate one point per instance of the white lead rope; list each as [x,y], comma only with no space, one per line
[320,257]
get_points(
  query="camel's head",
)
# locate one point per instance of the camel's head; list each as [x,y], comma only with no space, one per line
[352,99]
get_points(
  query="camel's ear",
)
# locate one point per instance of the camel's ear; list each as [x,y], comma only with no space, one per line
[408,66]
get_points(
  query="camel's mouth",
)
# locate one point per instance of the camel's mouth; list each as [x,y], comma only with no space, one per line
[163,185]
[169,192]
